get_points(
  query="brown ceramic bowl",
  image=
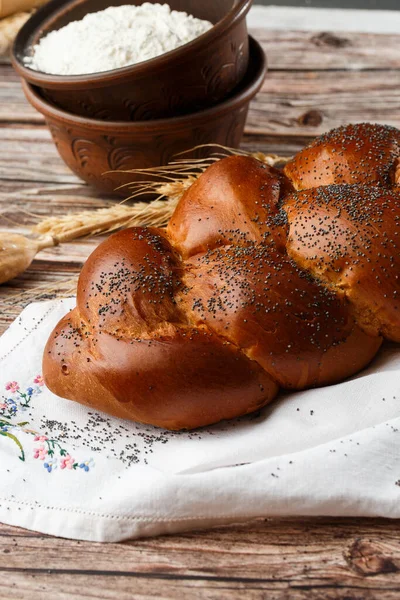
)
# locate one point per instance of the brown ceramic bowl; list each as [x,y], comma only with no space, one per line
[190,78]
[94,149]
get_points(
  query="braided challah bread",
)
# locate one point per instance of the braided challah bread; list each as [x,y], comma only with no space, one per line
[252,287]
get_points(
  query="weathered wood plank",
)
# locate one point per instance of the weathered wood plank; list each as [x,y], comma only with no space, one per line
[297,556]
[22,205]
[13,532]
[14,106]
[34,586]
[29,154]
[306,50]
[309,103]
[35,286]
[289,558]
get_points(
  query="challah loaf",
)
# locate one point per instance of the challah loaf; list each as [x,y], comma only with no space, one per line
[251,288]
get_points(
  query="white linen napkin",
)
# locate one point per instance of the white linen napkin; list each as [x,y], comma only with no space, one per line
[69,471]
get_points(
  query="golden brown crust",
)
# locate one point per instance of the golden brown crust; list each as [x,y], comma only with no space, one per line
[129,284]
[187,379]
[348,236]
[252,288]
[232,205]
[278,315]
[363,153]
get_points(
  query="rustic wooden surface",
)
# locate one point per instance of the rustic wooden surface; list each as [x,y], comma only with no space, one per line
[351,559]
[316,81]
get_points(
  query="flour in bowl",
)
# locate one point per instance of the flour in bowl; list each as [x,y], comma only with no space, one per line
[113,38]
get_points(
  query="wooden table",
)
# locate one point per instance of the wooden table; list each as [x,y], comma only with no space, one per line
[316,81]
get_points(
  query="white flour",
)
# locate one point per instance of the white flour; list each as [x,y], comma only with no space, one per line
[114,38]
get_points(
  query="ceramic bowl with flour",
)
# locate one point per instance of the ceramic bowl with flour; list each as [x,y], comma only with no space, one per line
[180,80]
[101,152]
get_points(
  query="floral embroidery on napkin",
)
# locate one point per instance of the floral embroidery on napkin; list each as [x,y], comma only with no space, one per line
[49,450]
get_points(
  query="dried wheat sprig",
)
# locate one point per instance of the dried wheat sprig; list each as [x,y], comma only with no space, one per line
[169,184]
[104,220]
[271,159]
[18,251]
[177,166]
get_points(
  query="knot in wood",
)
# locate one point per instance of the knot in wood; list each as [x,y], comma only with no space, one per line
[311,118]
[369,558]
[330,39]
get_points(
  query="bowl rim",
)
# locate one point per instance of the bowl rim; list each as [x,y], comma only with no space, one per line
[242,95]
[49,13]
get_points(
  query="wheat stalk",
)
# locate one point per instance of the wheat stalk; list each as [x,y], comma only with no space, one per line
[168,183]
[104,220]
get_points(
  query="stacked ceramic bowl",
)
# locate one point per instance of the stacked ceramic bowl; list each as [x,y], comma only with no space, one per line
[143,115]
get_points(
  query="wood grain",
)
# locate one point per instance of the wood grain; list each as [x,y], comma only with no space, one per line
[281,559]
[304,50]
[316,81]
[309,103]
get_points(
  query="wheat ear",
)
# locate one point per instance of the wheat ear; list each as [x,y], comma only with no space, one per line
[169,184]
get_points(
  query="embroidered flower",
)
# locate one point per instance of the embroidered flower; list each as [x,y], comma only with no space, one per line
[67,462]
[50,465]
[12,406]
[12,386]
[87,465]
[40,452]
[49,450]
